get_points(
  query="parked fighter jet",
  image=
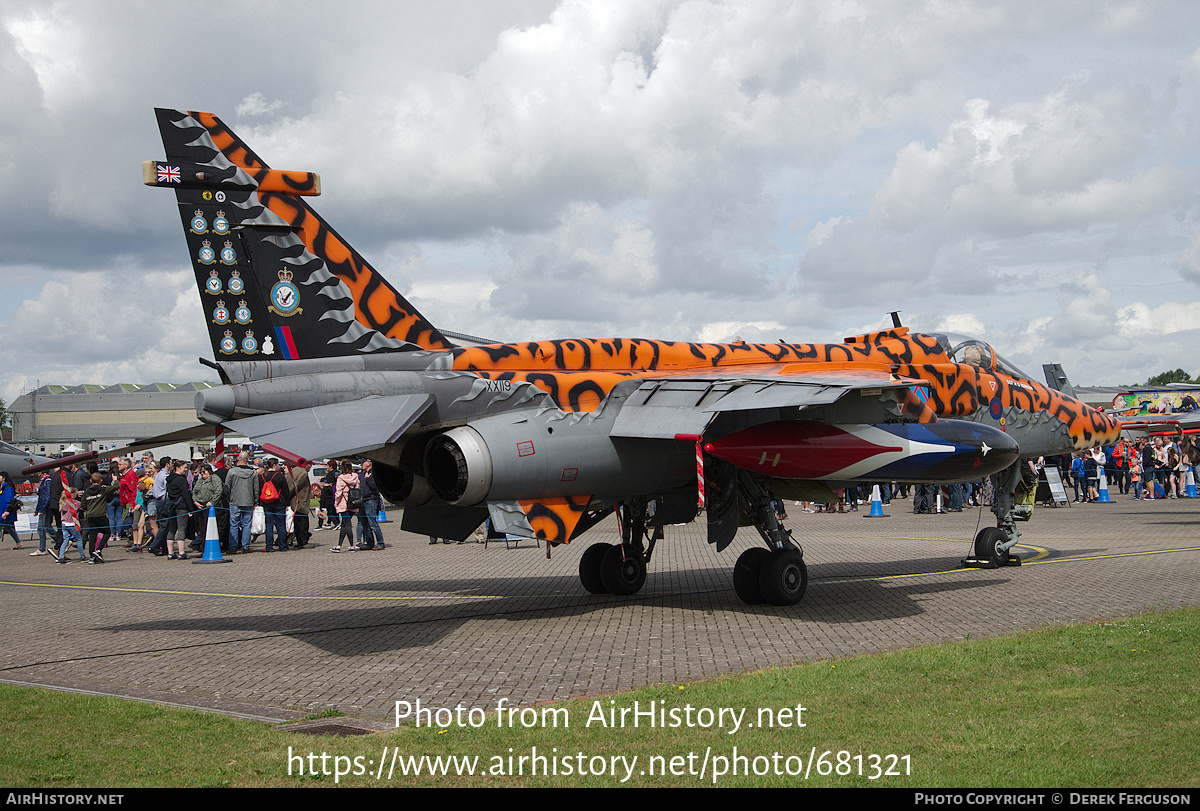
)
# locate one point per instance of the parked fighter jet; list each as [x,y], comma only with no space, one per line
[320,356]
[13,461]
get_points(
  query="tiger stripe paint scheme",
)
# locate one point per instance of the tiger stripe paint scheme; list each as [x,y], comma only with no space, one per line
[567,368]
[579,373]
[274,229]
[351,347]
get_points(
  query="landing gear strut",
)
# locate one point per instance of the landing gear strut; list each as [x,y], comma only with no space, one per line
[992,544]
[619,568]
[775,575]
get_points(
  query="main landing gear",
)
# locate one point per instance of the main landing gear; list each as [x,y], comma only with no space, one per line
[775,575]
[619,568]
[771,576]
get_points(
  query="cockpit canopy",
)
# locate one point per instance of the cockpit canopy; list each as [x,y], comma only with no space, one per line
[973,352]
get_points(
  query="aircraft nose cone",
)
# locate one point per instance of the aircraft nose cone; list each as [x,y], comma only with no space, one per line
[1005,447]
[981,450]
[995,451]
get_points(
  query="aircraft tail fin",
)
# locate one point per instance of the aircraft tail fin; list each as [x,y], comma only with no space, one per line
[275,279]
[1056,379]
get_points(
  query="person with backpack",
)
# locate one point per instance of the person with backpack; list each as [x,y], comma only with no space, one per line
[274,494]
[1091,474]
[301,495]
[368,532]
[347,502]
[68,505]
[1077,475]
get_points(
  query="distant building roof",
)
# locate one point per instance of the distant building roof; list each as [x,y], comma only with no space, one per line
[121,388]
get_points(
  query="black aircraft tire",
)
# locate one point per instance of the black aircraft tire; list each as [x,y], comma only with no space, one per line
[783,577]
[622,570]
[745,575]
[589,568]
[988,543]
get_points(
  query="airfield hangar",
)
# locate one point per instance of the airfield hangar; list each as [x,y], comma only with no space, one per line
[50,419]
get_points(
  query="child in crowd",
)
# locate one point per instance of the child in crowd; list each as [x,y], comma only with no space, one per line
[68,507]
[94,503]
[315,505]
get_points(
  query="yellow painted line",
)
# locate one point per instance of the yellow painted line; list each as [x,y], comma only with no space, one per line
[1126,554]
[1039,553]
[1034,561]
[247,596]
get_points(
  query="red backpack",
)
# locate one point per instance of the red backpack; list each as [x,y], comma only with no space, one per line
[269,493]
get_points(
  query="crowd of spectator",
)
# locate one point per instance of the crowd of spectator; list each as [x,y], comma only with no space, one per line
[162,506]
[927,498]
[1145,468]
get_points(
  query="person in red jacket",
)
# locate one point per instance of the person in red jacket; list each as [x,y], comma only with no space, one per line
[127,494]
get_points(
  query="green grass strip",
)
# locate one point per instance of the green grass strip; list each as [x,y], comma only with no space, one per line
[1109,704]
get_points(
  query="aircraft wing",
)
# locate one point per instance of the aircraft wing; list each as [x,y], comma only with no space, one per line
[663,408]
[184,435]
[678,407]
[307,433]
[337,429]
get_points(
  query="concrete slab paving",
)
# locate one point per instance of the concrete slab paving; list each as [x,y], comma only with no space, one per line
[285,635]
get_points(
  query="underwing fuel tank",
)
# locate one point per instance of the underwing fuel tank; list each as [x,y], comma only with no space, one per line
[938,452]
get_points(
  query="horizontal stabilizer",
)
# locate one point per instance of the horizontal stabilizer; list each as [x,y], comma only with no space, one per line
[339,429]
[198,431]
[552,520]
[443,521]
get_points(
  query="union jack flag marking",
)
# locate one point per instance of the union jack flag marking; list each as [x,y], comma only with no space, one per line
[168,174]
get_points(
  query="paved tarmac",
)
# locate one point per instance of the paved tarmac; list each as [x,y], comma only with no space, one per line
[285,635]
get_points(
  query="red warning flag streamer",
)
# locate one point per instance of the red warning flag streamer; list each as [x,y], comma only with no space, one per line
[699,465]
[219,450]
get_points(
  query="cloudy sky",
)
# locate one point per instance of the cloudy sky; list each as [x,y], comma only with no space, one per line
[1026,172]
